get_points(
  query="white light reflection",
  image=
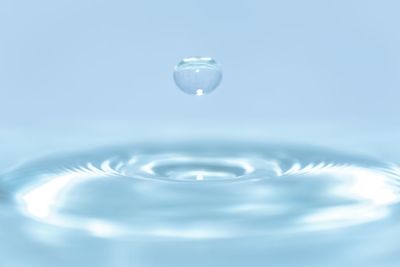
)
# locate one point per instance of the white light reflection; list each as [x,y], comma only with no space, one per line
[102,229]
[39,201]
[199,92]
[370,190]
[199,177]
[202,233]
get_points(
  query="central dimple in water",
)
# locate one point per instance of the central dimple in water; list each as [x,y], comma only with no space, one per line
[198,169]
[191,168]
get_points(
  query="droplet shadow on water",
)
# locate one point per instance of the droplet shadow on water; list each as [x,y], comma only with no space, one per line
[208,191]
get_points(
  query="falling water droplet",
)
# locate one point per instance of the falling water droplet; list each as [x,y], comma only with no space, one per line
[197,75]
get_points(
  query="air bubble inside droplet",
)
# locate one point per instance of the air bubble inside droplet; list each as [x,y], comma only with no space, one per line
[197,75]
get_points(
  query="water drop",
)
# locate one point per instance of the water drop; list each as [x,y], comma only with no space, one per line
[197,75]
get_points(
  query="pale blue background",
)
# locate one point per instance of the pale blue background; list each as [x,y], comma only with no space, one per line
[76,74]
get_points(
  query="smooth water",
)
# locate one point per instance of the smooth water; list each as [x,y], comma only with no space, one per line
[203,204]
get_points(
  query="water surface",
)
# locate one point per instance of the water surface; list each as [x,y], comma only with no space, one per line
[201,204]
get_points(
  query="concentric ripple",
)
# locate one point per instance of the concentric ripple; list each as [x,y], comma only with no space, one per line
[204,191]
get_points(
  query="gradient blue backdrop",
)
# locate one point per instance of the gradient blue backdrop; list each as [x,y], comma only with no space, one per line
[76,74]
